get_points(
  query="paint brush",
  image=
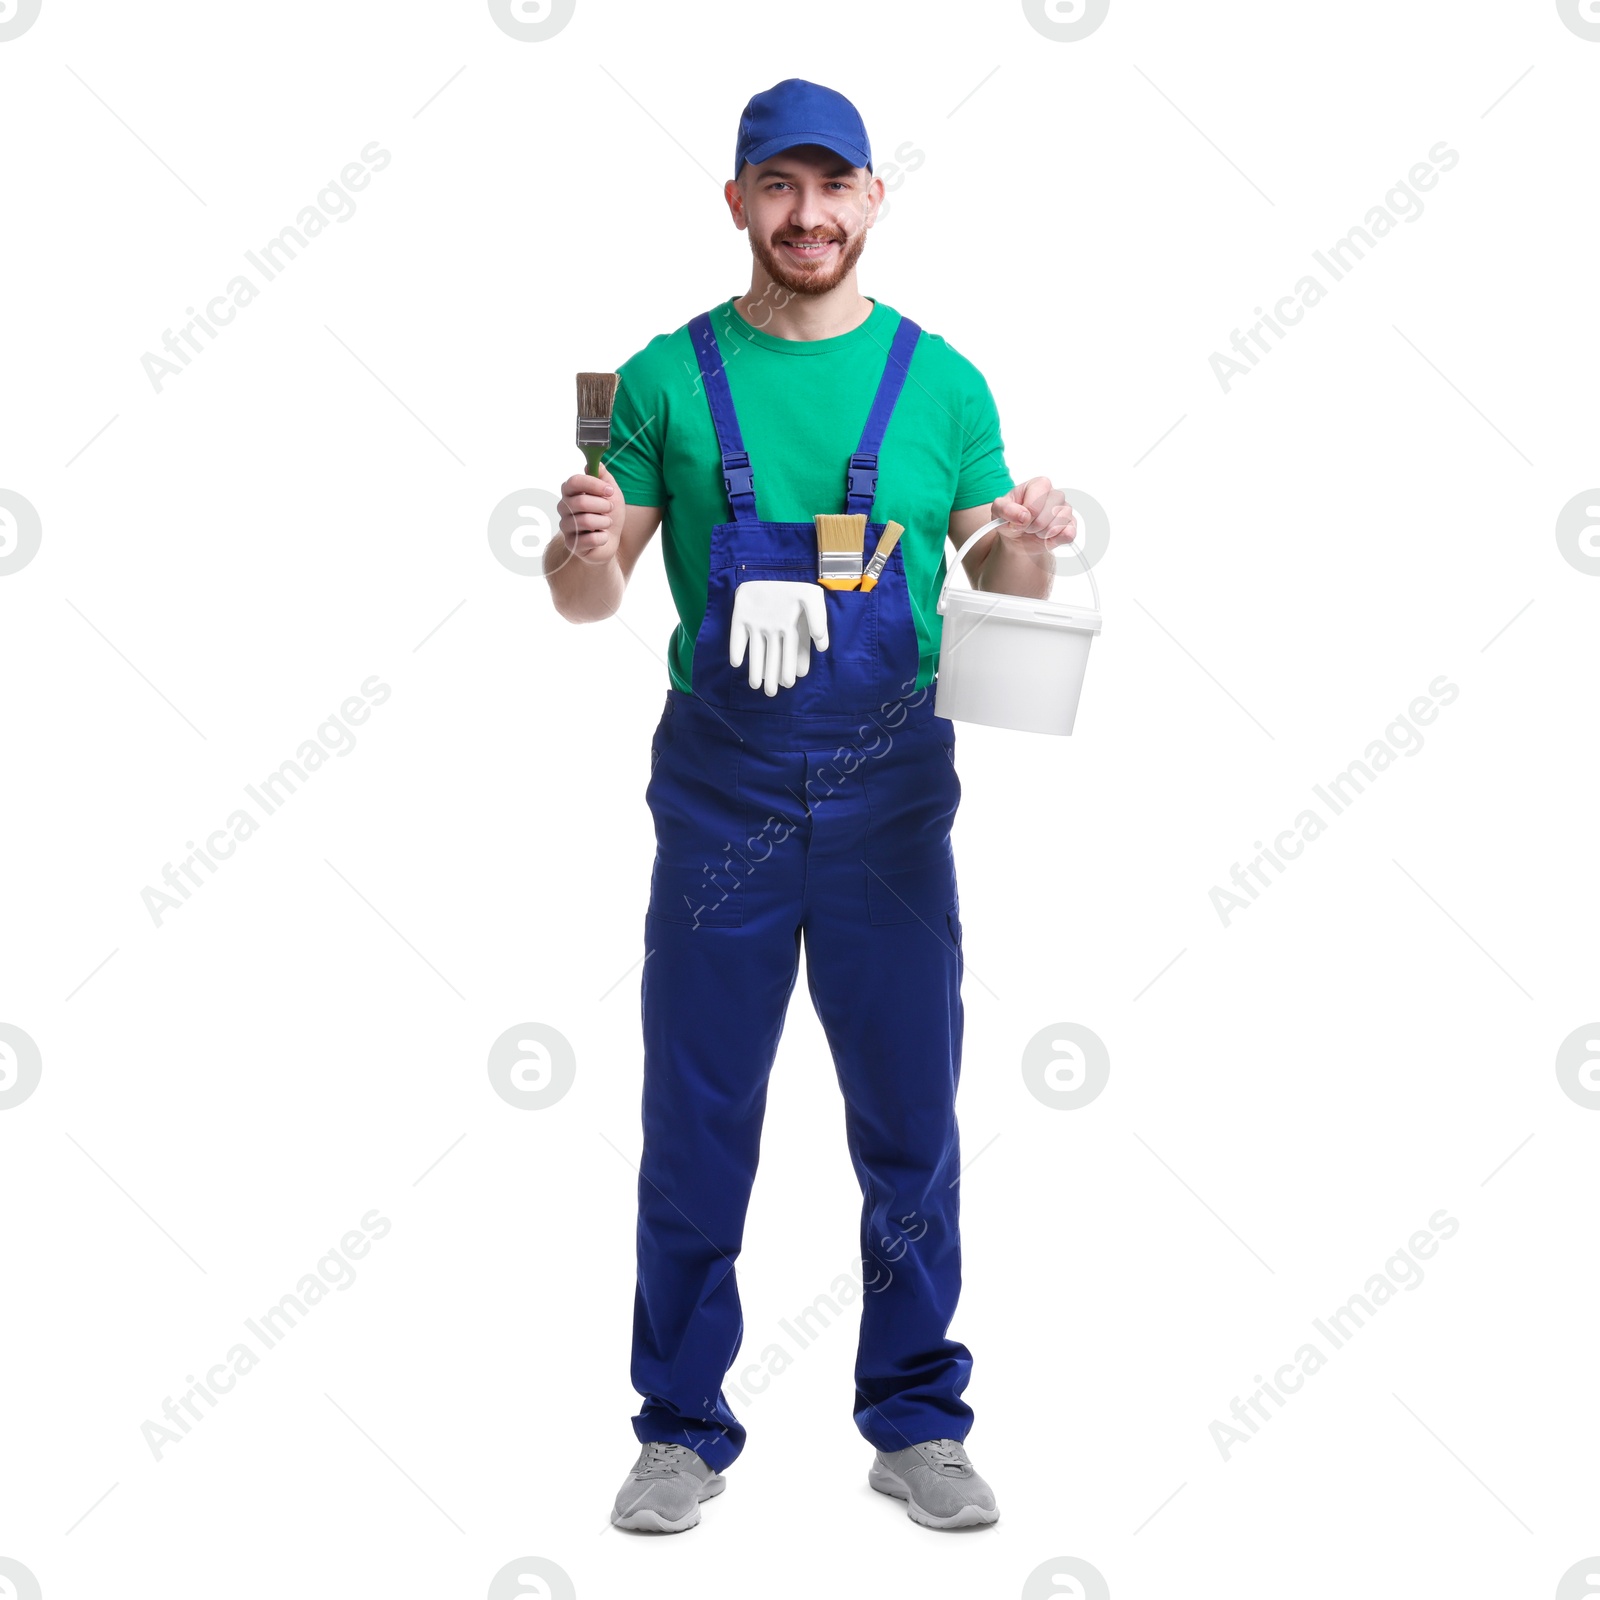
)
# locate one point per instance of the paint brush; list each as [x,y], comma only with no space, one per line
[880,557]
[839,544]
[597,394]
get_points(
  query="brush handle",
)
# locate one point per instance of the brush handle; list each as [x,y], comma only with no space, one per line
[591,456]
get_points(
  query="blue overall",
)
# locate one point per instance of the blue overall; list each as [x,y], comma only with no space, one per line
[822,813]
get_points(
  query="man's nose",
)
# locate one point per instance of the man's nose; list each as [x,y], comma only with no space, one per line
[809,214]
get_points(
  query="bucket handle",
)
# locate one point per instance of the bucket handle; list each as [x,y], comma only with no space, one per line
[999,522]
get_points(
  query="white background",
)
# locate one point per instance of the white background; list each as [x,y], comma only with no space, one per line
[223,1097]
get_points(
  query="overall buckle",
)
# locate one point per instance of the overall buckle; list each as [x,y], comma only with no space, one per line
[737,476]
[861,480]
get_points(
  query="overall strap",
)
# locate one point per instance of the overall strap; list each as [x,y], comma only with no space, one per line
[861,481]
[737,478]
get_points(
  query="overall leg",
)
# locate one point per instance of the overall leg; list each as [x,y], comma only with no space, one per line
[722,954]
[884,966]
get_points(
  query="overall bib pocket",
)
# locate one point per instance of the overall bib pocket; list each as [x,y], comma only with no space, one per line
[871,634]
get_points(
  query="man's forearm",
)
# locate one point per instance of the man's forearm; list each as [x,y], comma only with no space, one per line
[583,591]
[1009,570]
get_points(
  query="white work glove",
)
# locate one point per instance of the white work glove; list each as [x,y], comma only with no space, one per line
[777,621]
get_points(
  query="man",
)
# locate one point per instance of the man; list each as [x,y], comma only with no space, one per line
[809,796]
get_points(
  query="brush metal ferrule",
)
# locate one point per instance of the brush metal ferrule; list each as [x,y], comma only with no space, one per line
[594,431]
[888,542]
[838,564]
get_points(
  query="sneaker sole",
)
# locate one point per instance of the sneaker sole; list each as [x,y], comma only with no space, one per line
[645,1520]
[886,1482]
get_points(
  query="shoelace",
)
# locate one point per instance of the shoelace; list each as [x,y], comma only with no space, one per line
[660,1460]
[947,1456]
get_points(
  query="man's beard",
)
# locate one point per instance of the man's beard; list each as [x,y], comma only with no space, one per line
[808,280]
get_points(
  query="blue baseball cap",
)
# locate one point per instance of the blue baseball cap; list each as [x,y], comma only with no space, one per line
[799,112]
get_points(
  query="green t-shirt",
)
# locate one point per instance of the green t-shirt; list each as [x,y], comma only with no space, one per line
[802,404]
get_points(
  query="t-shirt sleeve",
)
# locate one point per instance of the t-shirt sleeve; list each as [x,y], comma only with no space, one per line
[634,455]
[984,475]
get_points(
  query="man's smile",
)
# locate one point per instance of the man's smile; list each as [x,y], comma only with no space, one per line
[809,249]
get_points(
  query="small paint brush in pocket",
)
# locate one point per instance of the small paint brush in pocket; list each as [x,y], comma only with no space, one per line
[880,557]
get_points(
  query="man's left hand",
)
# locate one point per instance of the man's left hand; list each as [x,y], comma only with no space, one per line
[1037,517]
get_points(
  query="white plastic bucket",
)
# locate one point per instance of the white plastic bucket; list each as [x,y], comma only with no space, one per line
[1008,661]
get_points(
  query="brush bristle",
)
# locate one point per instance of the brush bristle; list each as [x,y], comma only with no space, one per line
[597,393]
[835,532]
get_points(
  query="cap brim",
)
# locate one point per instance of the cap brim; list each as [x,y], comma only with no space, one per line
[768,148]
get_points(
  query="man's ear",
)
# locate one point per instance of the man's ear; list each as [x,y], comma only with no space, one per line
[734,195]
[875,192]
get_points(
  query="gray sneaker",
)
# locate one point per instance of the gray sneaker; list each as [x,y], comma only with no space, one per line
[938,1484]
[664,1490]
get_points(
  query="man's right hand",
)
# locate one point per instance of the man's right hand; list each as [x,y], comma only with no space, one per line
[592,516]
